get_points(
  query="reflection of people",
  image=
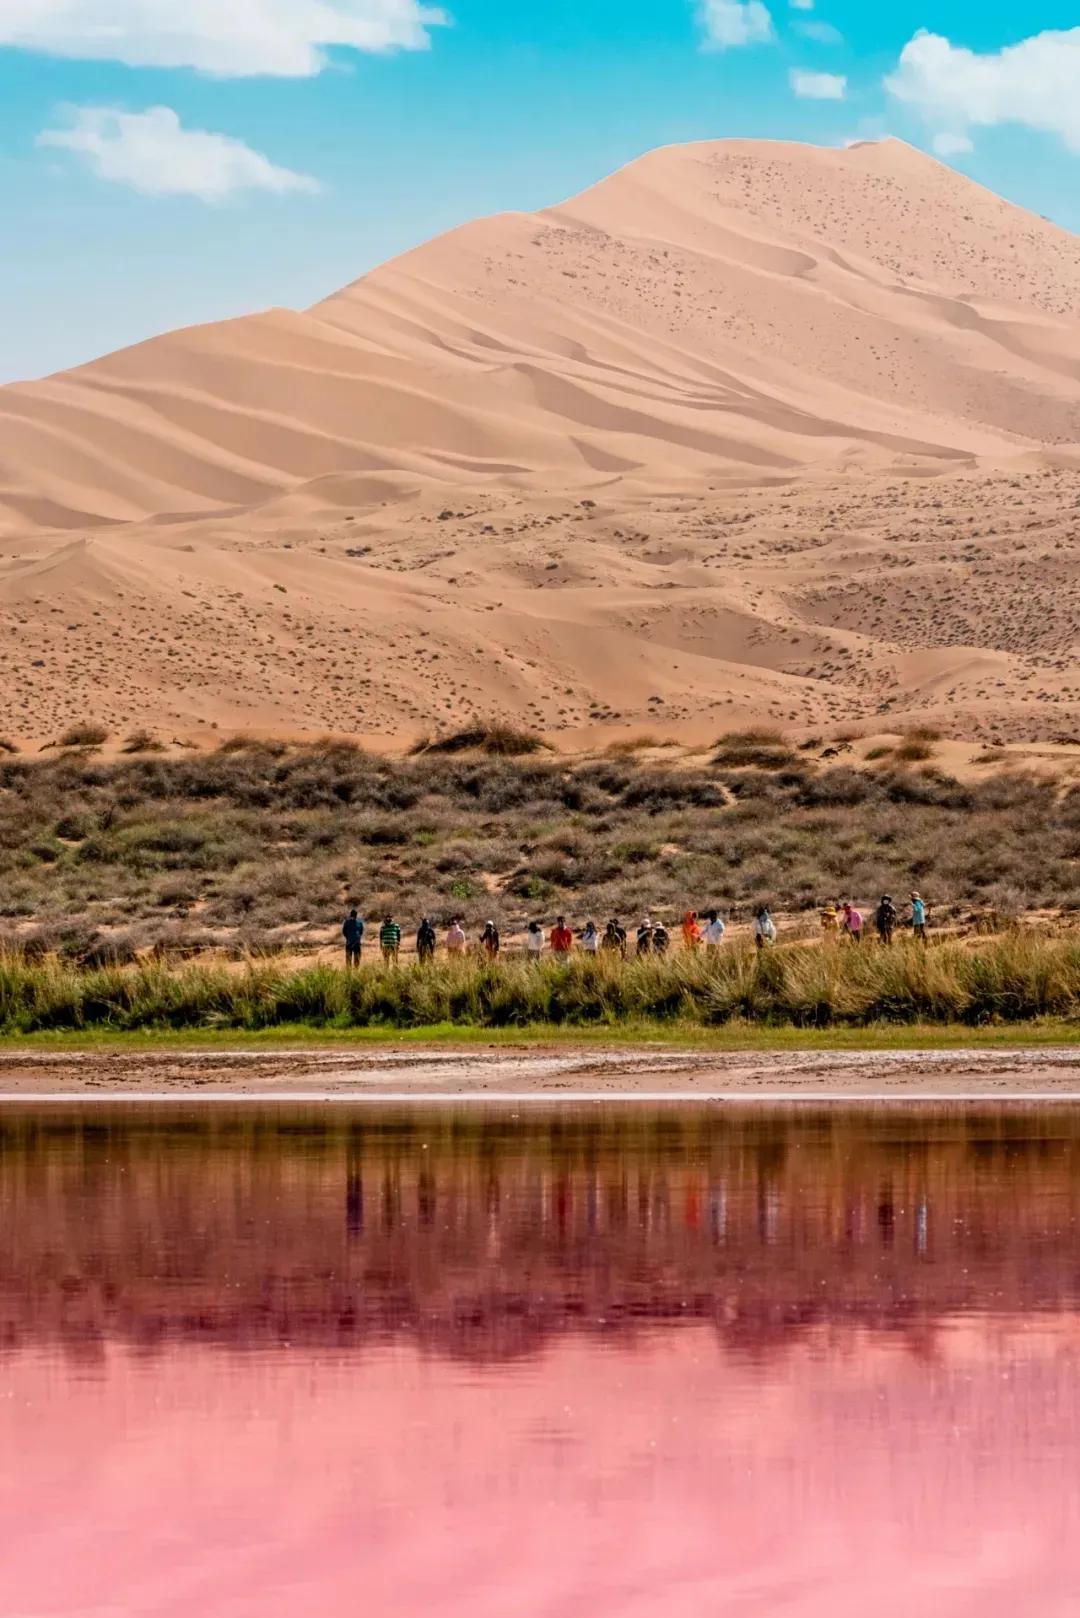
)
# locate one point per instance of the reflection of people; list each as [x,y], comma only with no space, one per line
[562,939]
[764,928]
[353,933]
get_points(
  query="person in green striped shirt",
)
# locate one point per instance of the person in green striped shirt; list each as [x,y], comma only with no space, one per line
[390,940]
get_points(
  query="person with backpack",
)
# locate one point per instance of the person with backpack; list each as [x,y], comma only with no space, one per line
[885,919]
[390,941]
[353,933]
[764,928]
[489,941]
[645,937]
[714,930]
[661,939]
[425,941]
[918,917]
[614,940]
[561,939]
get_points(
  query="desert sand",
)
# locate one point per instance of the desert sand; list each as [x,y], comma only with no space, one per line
[748,431]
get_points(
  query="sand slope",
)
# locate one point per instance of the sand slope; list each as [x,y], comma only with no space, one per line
[404,465]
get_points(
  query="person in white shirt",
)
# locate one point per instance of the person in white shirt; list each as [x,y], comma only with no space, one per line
[713,930]
[764,928]
[534,941]
[590,938]
[455,938]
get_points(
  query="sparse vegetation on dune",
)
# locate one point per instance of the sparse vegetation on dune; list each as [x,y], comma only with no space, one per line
[259,847]
[1013,979]
[496,739]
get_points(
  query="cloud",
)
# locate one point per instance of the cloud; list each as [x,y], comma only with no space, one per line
[153,153]
[230,38]
[1035,83]
[802,5]
[817,86]
[946,145]
[822,32]
[730,23]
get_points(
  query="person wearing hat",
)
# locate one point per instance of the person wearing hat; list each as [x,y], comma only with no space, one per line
[885,919]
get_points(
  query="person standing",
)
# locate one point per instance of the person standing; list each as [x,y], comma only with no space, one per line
[645,937]
[489,941]
[425,941]
[918,917]
[390,941]
[590,938]
[562,939]
[852,922]
[614,940]
[714,930]
[661,939]
[353,933]
[764,928]
[534,941]
[691,932]
[830,921]
[455,938]
[885,919]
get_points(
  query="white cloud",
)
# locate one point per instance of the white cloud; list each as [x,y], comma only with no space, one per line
[946,145]
[730,23]
[231,38]
[802,5]
[1036,83]
[153,153]
[822,32]
[817,86]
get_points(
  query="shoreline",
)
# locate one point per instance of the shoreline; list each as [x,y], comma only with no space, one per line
[526,1076]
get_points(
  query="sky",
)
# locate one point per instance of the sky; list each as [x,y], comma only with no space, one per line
[164,162]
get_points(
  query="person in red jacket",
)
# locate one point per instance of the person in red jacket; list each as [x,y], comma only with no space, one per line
[562,939]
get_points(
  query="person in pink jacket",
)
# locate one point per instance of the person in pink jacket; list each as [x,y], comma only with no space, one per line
[852,922]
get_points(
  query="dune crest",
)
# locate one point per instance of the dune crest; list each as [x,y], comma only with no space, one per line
[713,319]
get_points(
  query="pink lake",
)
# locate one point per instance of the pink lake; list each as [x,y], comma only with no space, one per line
[316,1361]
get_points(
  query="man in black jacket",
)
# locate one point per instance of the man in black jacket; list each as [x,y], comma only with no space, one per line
[353,933]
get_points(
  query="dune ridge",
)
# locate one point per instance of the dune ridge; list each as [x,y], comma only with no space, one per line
[651,453]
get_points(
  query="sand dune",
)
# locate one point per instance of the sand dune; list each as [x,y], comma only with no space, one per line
[749,429]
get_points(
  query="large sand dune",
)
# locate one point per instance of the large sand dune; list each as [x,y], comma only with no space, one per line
[749,429]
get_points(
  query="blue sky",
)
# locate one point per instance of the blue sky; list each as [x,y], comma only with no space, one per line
[170,161]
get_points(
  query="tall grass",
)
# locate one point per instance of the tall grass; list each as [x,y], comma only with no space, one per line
[1010,979]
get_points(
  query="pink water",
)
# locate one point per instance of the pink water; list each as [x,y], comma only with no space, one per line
[317,1364]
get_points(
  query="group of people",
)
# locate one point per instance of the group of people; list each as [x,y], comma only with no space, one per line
[705,931]
[846,920]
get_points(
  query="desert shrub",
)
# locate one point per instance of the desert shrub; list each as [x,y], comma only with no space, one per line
[142,741]
[84,736]
[762,748]
[493,737]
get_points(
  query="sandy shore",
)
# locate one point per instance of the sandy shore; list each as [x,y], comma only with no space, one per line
[531,1074]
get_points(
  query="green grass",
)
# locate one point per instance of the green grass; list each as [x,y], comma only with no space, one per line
[1017,980]
[734,1037]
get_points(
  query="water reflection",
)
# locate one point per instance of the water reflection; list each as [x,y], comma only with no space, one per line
[275,1360]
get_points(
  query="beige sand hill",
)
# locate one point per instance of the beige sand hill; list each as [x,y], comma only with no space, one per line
[749,429]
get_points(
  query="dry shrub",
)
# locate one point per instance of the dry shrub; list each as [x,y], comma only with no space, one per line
[761,749]
[492,737]
[142,741]
[84,736]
